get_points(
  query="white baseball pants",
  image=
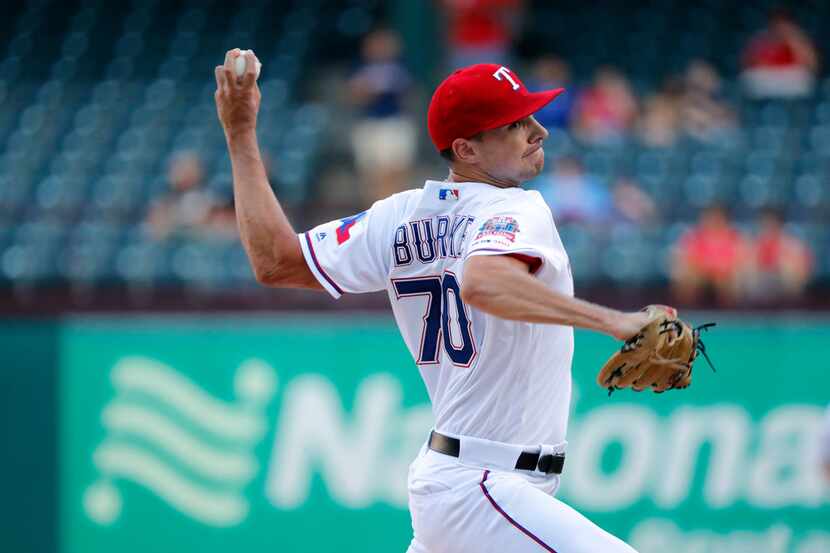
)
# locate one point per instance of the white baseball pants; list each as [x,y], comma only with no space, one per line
[459,507]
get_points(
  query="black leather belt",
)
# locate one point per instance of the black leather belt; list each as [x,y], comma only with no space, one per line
[549,463]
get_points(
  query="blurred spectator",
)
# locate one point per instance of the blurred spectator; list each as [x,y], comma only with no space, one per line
[780,61]
[186,207]
[573,195]
[481,31]
[606,110]
[659,124]
[632,204]
[221,220]
[781,264]
[384,140]
[705,114]
[710,256]
[552,72]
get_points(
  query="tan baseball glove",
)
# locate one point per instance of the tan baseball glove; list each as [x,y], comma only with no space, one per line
[659,357]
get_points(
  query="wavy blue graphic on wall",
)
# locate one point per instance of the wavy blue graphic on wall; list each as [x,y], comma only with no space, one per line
[168,435]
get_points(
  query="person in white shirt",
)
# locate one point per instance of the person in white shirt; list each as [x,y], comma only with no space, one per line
[481,288]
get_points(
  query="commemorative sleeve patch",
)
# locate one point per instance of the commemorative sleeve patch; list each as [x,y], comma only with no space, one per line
[504,228]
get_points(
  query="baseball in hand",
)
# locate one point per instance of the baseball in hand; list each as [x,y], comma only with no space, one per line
[240,62]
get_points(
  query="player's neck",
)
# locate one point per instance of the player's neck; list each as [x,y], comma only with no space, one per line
[469,173]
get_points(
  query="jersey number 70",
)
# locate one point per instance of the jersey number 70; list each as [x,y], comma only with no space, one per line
[443,294]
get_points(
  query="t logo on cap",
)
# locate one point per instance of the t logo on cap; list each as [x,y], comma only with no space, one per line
[505,72]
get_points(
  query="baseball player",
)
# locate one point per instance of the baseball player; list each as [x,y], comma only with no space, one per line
[481,289]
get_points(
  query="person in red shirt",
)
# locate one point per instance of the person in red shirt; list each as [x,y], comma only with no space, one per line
[605,111]
[481,31]
[781,264]
[712,255]
[780,61]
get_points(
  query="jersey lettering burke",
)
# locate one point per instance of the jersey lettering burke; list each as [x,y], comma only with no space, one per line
[414,245]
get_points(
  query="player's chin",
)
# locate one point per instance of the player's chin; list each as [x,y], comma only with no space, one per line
[534,164]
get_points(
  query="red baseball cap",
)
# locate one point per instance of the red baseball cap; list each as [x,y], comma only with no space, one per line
[479,98]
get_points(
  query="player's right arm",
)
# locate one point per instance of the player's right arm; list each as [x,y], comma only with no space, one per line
[503,286]
[272,245]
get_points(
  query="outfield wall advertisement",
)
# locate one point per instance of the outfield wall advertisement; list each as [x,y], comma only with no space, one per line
[295,435]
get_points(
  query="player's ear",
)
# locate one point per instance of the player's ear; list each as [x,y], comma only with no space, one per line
[464,150]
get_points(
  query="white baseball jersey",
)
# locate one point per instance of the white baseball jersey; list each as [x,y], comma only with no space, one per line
[487,377]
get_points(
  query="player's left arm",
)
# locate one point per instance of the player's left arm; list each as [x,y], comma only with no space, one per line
[512,244]
[271,243]
[503,285]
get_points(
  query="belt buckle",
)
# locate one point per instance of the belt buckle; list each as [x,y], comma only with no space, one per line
[550,461]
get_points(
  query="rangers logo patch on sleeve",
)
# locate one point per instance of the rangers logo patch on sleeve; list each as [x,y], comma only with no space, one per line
[344,230]
[501,227]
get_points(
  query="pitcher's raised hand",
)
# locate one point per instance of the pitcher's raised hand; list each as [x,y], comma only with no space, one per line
[237,98]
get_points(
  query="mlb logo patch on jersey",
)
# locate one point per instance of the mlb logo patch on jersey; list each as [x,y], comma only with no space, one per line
[448,194]
[344,231]
[504,227]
